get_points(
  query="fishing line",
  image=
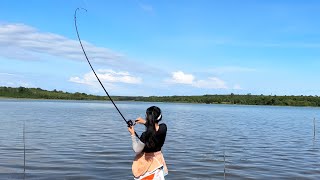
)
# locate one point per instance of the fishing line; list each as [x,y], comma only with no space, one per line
[129,122]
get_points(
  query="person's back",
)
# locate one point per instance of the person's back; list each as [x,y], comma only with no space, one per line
[149,162]
[160,137]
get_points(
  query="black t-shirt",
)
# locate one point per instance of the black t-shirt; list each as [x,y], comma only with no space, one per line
[160,138]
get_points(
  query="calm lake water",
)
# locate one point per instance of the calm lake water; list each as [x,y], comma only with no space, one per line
[89,140]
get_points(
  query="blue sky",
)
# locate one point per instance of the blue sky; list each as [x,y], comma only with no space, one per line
[163,47]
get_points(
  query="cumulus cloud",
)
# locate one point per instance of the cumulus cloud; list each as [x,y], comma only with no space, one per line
[106,76]
[180,77]
[24,42]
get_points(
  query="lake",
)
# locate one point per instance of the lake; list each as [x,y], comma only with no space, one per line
[89,140]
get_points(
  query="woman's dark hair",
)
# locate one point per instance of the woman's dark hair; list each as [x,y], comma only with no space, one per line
[153,115]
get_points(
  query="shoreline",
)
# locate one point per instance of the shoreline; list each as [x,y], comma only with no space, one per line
[107,100]
[228,99]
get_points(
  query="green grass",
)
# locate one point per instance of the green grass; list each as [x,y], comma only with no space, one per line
[248,99]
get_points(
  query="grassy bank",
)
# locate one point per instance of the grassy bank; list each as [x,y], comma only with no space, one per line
[248,99]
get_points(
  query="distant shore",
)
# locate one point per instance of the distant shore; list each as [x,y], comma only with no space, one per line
[248,99]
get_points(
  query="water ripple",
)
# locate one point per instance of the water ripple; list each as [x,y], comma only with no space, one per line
[88,140]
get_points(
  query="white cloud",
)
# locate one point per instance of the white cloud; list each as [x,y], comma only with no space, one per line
[180,77]
[14,80]
[106,76]
[24,42]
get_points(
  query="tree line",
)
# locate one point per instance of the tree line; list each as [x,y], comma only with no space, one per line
[248,99]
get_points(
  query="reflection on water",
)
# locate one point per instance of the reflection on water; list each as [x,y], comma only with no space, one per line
[89,140]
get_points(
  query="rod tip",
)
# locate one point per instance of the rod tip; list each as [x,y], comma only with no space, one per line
[79,8]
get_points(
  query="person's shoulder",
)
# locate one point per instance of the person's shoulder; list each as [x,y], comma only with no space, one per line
[163,126]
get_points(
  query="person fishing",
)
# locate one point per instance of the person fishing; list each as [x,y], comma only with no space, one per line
[149,162]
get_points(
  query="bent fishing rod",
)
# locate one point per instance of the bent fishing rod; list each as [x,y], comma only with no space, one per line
[128,122]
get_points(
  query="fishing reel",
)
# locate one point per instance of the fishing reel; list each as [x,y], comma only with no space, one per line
[130,123]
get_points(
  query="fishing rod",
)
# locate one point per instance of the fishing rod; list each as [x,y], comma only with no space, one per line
[128,122]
